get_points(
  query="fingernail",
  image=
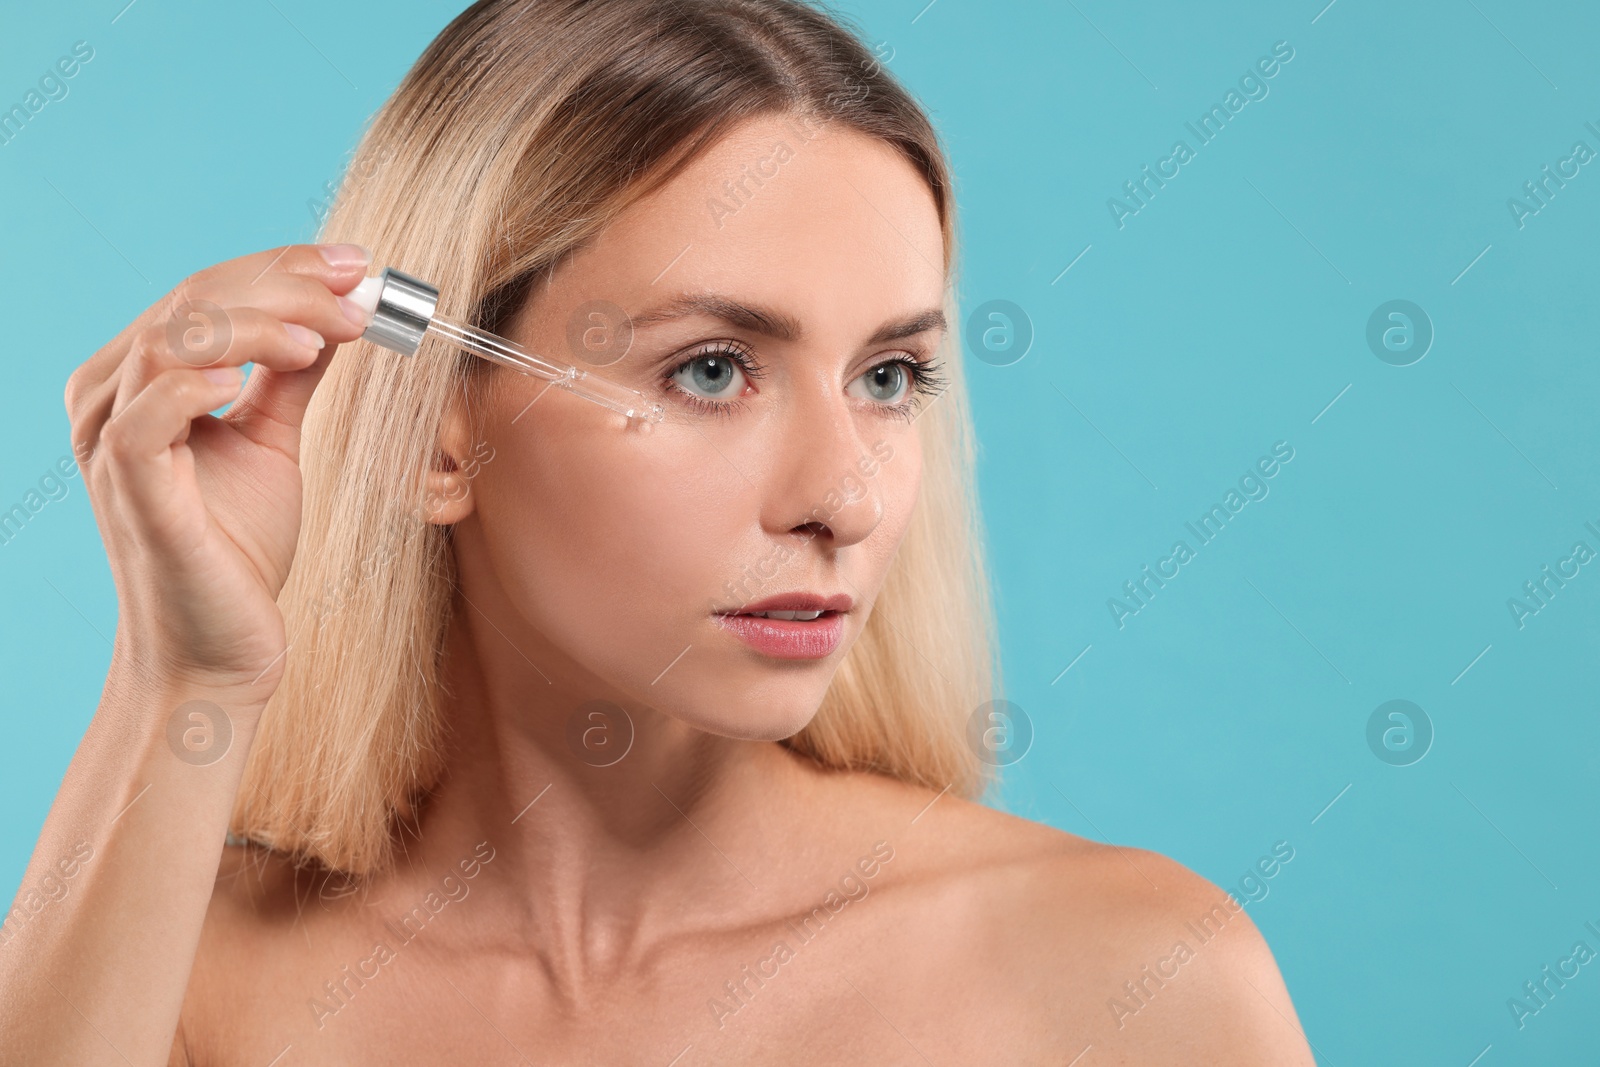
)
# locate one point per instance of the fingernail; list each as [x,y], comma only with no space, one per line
[223,375]
[353,311]
[304,337]
[345,256]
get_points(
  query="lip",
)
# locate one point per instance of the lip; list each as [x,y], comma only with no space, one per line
[799,601]
[790,638]
[787,638]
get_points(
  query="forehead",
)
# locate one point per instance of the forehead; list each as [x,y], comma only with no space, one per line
[822,221]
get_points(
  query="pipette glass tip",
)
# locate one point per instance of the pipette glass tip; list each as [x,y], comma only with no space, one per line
[403,311]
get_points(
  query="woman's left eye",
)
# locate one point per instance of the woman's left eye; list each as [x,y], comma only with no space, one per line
[887,383]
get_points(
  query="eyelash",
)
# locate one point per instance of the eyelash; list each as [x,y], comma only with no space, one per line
[926,381]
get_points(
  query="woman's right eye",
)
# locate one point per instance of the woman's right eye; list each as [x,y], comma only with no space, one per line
[713,375]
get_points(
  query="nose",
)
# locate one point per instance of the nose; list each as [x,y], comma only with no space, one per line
[825,483]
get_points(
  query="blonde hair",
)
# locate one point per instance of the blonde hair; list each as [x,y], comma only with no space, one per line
[524,128]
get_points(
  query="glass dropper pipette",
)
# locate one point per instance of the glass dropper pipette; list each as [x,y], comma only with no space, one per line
[404,311]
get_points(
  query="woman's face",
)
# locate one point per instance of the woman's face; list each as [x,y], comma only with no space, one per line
[611,554]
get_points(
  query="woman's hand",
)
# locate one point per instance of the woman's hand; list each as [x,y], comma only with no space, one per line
[200,514]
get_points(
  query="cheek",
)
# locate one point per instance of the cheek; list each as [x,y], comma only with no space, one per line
[899,483]
[612,542]
[615,544]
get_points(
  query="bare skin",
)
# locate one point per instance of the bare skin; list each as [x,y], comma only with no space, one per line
[567,913]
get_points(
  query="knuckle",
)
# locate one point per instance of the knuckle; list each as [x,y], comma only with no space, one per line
[205,280]
[308,297]
[153,338]
[179,386]
[149,349]
[306,257]
[187,291]
[114,440]
[284,259]
[254,329]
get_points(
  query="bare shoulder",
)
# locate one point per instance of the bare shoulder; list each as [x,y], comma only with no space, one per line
[260,894]
[1120,948]
[1180,971]
[269,912]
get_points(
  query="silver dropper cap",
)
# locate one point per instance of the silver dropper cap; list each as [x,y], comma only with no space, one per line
[404,309]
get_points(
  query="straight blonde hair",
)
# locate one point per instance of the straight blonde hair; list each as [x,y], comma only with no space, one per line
[524,128]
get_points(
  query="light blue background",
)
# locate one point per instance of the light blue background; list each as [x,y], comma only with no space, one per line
[1225,316]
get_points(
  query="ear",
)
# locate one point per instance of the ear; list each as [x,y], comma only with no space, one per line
[448,483]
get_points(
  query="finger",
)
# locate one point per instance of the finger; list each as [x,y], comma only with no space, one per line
[338,267]
[272,408]
[238,336]
[246,336]
[288,297]
[232,339]
[136,441]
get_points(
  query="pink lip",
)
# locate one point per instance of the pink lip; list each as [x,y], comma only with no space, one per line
[798,602]
[787,638]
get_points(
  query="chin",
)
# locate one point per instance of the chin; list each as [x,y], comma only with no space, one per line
[754,718]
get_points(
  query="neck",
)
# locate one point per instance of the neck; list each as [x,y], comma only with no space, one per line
[611,825]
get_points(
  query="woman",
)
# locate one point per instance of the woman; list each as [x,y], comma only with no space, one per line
[474,679]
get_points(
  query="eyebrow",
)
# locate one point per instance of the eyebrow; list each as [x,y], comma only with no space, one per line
[773,323]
